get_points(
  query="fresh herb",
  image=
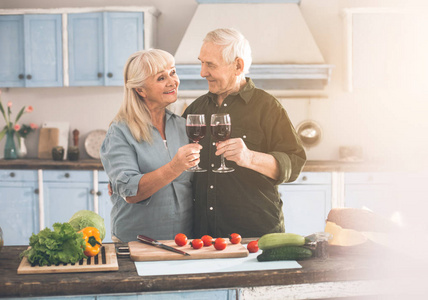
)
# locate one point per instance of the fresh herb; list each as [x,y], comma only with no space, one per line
[62,245]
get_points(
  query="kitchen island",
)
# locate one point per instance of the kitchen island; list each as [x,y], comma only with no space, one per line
[342,274]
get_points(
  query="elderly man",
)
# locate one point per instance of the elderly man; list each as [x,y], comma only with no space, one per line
[264,149]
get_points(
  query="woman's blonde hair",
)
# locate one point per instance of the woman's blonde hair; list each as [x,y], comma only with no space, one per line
[134,112]
[234,45]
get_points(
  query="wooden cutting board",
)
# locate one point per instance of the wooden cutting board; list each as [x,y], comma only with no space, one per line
[48,138]
[144,252]
[106,260]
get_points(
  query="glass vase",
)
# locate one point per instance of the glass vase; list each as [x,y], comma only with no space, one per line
[10,148]
[22,149]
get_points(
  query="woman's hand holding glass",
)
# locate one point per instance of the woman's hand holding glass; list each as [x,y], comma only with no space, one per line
[187,157]
[196,130]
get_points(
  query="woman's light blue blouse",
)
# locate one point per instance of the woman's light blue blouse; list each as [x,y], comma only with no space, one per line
[167,212]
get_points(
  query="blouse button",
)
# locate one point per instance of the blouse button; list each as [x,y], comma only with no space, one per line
[211,186]
[211,208]
[225,104]
[212,165]
[213,143]
[244,136]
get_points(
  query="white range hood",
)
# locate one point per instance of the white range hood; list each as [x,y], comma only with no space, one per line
[285,55]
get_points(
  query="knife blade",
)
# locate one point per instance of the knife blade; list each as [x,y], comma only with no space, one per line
[150,241]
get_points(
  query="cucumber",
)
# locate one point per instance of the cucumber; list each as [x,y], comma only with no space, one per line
[274,240]
[285,253]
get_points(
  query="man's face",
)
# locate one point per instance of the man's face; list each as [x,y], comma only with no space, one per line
[221,77]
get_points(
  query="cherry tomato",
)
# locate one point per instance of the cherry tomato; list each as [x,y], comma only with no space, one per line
[235,238]
[220,244]
[197,244]
[253,246]
[181,239]
[208,240]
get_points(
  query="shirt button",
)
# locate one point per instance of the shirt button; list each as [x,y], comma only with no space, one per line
[211,186]
[225,104]
[212,165]
[214,144]
[211,208]
[244,136]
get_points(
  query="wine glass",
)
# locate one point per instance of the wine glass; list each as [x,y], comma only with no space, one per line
[196,130]
[221,128]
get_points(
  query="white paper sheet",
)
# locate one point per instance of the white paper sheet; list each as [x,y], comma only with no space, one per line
[197,266]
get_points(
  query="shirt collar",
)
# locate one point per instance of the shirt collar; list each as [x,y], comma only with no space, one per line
[245,93]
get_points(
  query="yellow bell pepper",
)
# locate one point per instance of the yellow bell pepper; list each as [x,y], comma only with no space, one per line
[92,238]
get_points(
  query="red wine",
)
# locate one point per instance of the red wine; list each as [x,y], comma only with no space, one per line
[196,132]
[221,132]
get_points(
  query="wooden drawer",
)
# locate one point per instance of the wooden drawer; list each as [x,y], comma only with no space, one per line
[371,178]
[67,176]
[312,178]
[18,175]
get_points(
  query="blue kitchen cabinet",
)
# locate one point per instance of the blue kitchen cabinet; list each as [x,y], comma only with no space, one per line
[306,202]
[31,50]
[19,201]
[104,203]
[66,192]
[99,45]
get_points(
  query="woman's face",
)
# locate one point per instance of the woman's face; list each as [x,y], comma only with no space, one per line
[161,89]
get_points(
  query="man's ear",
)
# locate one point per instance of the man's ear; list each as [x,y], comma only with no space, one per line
[239,65]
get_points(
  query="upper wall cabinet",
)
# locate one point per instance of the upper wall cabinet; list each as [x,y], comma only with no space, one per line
[31,50]
[99,45]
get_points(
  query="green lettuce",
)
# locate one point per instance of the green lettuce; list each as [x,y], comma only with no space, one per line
[87,218]
[62,245]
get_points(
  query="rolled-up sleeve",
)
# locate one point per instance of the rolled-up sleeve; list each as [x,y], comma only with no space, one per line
[284,145]
[119,159]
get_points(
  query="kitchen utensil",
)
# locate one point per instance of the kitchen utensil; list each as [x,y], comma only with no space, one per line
[93,142]
[48,139]
[73,151]
[145,252]
[310,133]
[64,129]
[155,243]
[106,260]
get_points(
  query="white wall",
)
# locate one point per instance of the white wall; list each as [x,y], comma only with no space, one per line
[383,122]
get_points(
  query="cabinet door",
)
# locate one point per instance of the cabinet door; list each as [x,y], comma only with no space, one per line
[66,192]
[19,215]
[86,49]
[43,50]
[124,36]
[11,51]
[374,191]
[307,203]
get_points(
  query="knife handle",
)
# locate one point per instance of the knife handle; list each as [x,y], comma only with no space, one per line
[146,239]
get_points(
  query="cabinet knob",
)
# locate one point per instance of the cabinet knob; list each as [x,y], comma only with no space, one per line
[304,178]
[12,174]
[36,191]
[99,193]
[92,192]
[29,76]
[67,175]
[21,76]
[100,75]
[109,75]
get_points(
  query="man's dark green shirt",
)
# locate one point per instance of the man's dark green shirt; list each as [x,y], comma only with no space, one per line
[245,201]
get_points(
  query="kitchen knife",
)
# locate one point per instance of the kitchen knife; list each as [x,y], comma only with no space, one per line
[155,243]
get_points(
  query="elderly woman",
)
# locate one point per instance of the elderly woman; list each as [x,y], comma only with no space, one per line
[146,152]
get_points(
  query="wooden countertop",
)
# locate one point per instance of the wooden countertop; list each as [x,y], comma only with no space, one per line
[339,267]
[94,164]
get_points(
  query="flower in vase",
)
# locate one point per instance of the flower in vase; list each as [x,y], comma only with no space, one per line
[13,125]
